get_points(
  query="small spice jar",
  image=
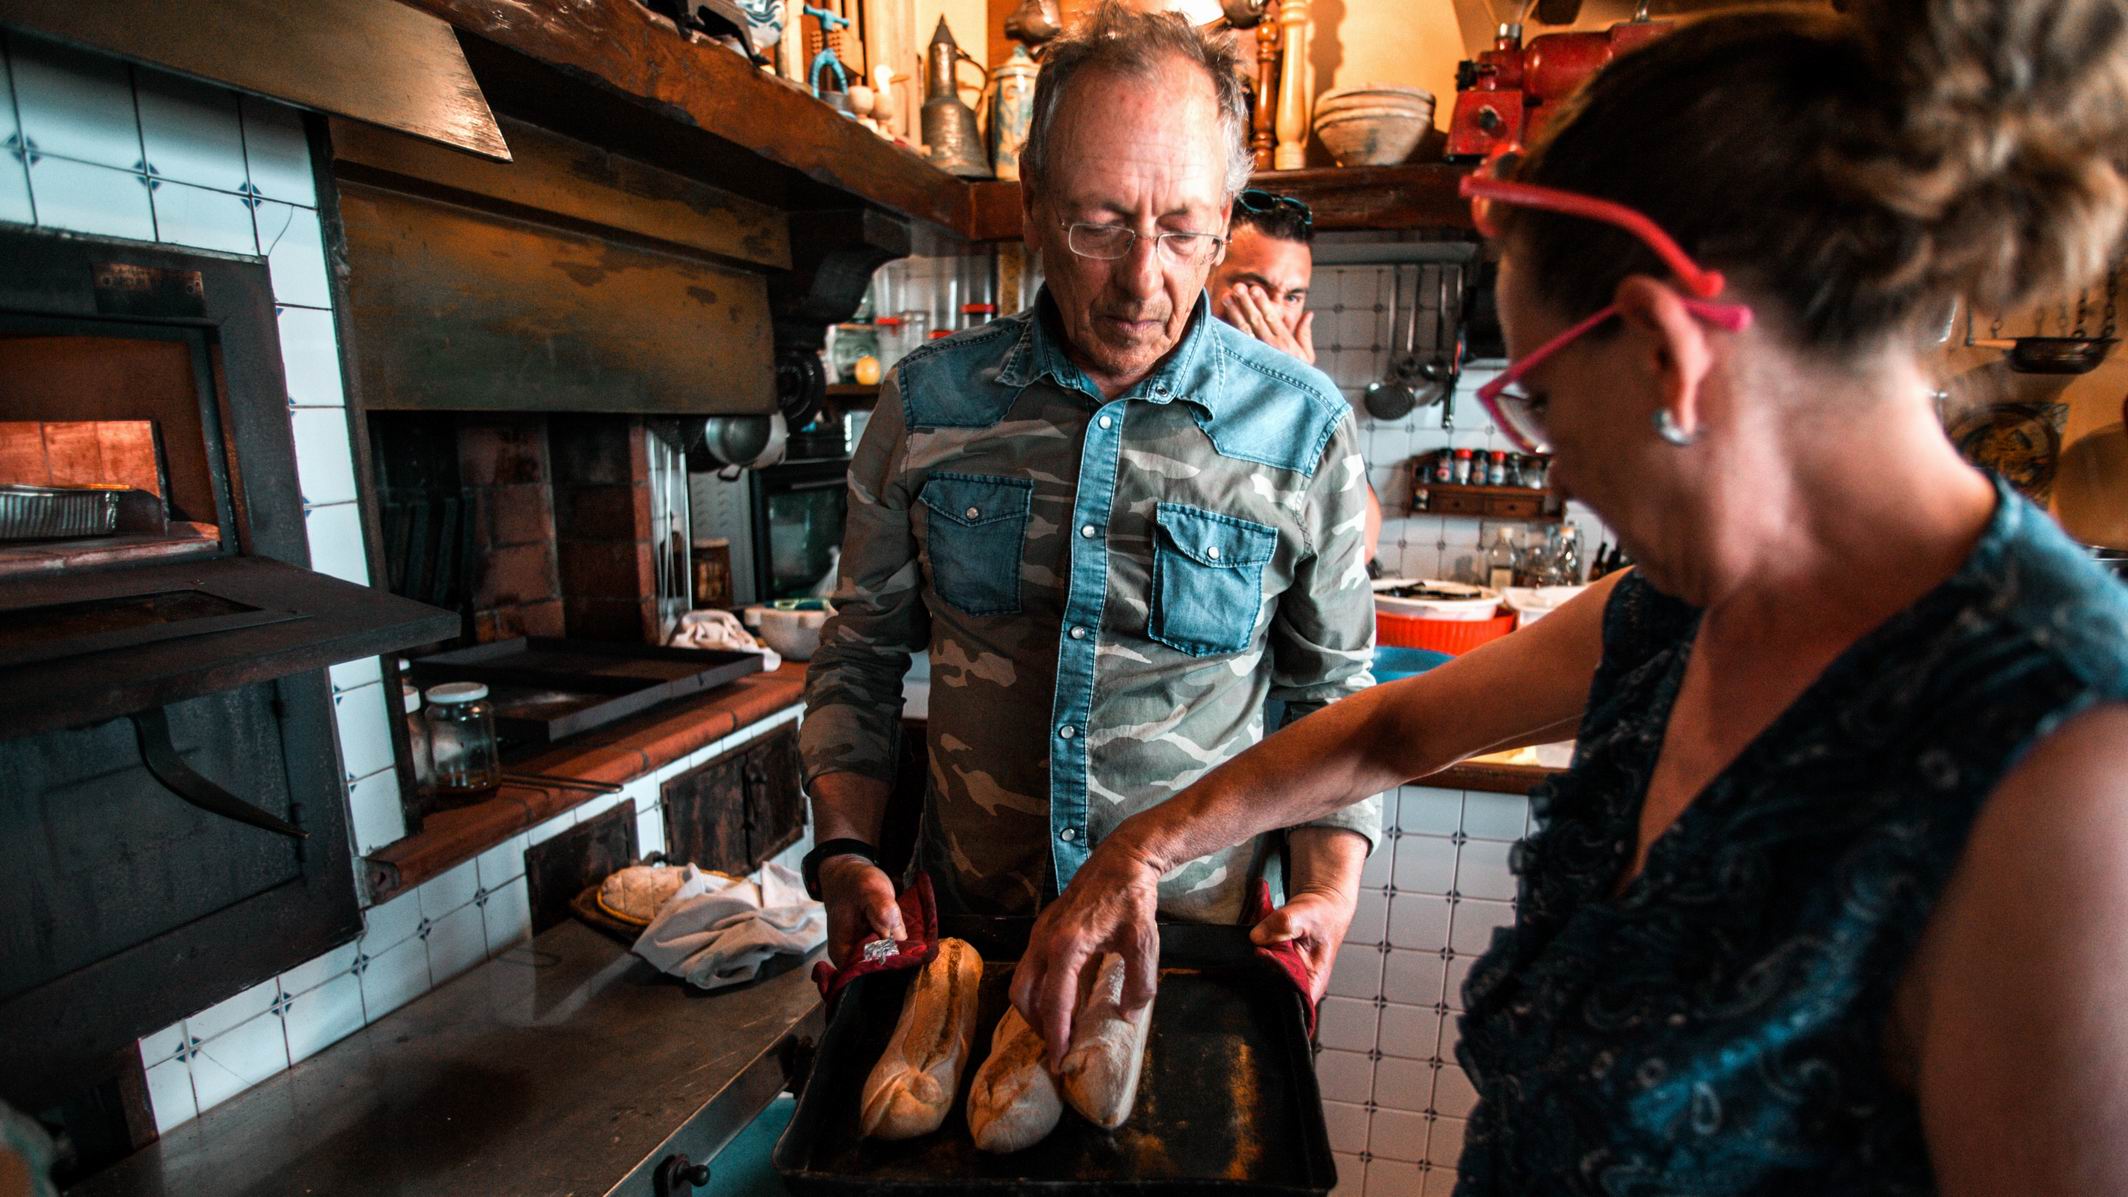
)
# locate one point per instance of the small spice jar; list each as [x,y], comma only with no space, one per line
[1461,473]
[462,741]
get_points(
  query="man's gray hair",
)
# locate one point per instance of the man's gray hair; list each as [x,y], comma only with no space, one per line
[1116,39]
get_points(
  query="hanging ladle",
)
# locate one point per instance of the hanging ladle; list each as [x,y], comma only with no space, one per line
[1391,398]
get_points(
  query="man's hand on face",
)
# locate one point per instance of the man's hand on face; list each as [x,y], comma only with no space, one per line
[861,907]
[1249,308]
[1315,923]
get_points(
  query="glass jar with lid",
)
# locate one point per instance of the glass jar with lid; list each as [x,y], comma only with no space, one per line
[417,737]
[462,751]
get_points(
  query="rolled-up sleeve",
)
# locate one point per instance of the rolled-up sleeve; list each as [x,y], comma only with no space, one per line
[1322,637]
[853,684]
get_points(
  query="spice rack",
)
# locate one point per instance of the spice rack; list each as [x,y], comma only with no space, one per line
[1486,502]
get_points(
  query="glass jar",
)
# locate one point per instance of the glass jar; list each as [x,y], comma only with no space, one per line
[1460,472]
[417,738]
[462,740]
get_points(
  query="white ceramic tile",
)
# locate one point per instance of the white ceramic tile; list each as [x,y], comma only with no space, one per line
[336,546]
[1398,1134]
[170,1095]
[325,464]
[551,828]
[162,1045]
[1404,1084]
[395,978]
[379,817]
[1393,1178]
[1475,921]
[1348,1125]
[1482,872]
[225,1014]
[199,218]
[650,832]
[1418,921]
[237,1059]
[315,972]
[592,808]
[14,170]
[362,671]
[310,357]
[390,924]
[1489,816]
[91,199]
[1414,977]
[1451,1035]
[1440,1182]
[75,105]
[1345,1024]
[1452,986]
[451,890]
[1344,1076]
[365,730]
[1410,1032]
[457,942]
[1453,1096]
[501,862]
[1444,1145]
[295,253]
[506,915]
[1425,864]
[279,152]
[1376,872]
[1351,1175]
[1368,918]
[323,1016]
[1429,810]
[191,131]
[1357,971]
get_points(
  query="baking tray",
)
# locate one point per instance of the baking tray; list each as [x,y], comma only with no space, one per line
[544,688]
[1227,1103]
[57,512]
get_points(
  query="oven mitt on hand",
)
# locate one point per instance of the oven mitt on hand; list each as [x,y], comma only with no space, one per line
[919,917]
[1285,957]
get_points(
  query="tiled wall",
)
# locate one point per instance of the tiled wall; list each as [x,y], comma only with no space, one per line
[408,946]
[1433,891]
[1353,344]
[100,147]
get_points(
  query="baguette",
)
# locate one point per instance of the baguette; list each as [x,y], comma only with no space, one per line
[912,1087]
[1100,1071]
[1013,1103]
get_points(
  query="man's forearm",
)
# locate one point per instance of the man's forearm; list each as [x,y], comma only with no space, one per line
[1326,860]
[848,806]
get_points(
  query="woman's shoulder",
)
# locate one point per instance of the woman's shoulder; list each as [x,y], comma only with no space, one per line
[2034,597]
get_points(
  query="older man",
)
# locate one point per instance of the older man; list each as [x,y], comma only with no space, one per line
[1116,523]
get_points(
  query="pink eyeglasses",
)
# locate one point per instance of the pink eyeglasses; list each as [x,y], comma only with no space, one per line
[1517,413]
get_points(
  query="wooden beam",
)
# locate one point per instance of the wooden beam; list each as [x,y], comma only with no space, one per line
[619,46]
[1365,198]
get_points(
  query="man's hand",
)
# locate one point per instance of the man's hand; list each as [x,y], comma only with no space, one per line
[1248,308]
[1315,923]
[1108,907]
[861,906]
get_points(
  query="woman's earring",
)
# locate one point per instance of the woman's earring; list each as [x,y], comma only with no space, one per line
[1666,428]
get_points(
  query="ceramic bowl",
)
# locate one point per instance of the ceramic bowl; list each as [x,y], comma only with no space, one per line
[795,634]
[1411,98]
[1371,136]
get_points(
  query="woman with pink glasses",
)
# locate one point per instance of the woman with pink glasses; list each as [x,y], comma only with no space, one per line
[1828,902]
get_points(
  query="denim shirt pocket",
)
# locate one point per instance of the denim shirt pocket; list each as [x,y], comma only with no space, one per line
[978,523]
[1207,580]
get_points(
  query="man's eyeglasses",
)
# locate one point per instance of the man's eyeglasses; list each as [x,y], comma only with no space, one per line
[1108,242]
[1518,413]
[1262,203]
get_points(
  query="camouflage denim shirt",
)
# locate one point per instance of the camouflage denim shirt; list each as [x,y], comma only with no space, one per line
[1109,590]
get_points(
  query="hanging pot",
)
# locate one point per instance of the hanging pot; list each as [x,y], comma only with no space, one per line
[2058,355]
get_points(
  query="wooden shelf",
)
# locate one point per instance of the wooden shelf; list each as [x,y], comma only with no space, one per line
[1415,196]
[1486,502]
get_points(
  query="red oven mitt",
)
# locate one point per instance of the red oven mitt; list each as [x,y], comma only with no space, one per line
[1285,957]
[919,917]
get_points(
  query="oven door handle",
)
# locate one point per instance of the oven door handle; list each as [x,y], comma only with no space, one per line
[156,751]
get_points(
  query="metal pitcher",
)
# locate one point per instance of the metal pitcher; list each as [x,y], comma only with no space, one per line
[949,124]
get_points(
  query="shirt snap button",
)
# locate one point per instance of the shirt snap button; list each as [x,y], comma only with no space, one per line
[1067,835]
[1078,633]
[1107,422]
[975,512]
[1212,551]
[1066,732]
[1086,530]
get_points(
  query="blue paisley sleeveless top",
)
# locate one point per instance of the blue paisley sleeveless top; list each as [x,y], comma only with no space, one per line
[1719,1027]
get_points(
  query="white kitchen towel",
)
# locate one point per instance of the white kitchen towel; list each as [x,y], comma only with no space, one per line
[719,930]
[721,629]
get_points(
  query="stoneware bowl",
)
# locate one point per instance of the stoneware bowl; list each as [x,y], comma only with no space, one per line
[1371,136]
[1413,99]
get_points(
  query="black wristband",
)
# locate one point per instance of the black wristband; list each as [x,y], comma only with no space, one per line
[809,868]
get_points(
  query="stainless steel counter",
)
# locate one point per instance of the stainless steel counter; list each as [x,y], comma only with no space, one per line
[563,1066]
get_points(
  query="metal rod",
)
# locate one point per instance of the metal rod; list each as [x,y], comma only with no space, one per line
[574,783]
[156,751]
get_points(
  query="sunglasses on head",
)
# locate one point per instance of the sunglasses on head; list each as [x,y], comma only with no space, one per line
[1260,202]
[1518,413]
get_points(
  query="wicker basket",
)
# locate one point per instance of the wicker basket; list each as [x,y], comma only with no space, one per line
[1452,636]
